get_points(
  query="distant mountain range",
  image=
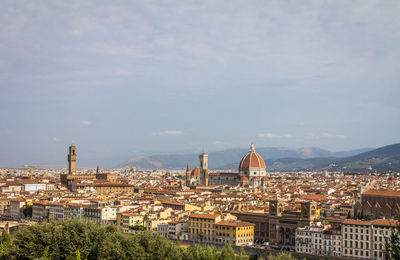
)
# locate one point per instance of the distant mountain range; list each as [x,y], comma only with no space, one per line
[282,159]
[384,159]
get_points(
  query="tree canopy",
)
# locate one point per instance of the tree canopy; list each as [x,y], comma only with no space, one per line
[79,239]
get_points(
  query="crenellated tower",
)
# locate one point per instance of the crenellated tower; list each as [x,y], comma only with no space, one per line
[72,159]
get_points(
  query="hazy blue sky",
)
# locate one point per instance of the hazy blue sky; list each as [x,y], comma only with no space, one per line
[129,78]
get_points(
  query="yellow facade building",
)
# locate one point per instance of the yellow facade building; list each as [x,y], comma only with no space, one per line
[236,233]
[201,227]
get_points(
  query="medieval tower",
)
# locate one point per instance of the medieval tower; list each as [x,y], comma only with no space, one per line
[72,159]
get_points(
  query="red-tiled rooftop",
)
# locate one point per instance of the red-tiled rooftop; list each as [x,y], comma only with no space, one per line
[234,223]
[208,216]
[385,222]
[388,193]
[357,222]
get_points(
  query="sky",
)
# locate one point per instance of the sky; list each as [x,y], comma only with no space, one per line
[121,79]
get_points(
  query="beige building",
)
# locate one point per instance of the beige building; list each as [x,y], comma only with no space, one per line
[40,211]
[125,220]
[381,229]
[16,208]
[357,239]
[4,205]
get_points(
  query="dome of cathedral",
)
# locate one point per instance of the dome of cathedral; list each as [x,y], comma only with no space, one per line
[195,172]
[252,160]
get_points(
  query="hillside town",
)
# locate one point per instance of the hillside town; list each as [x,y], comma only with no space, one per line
[313,213]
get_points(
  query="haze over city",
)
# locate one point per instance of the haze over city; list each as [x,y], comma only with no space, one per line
[122,79]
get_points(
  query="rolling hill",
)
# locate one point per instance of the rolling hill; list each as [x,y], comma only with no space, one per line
[276,159]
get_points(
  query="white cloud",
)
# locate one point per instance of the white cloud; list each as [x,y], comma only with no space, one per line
[168,132]
[86,123]
[274,136]
[55,139]
[335,136]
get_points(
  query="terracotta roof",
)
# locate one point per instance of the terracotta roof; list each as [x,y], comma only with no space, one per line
[112,185]
[385,222]
[386,193]
[234,223]
[208,216]
[357,222]
[173,203]
[313,197]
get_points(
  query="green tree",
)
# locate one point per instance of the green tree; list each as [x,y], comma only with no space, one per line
[227,252]
[392,243]
[281,256]
[74,239]
[5,238]
[355,214]
[63,238]
[27,211]
[45,253]
[77,255]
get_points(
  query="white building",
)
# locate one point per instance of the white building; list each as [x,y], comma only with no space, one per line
[162,229]
[34,187]
[318,240]
[177,229]
[357,238]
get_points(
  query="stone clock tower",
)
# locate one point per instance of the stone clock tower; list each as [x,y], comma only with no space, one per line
[72,159]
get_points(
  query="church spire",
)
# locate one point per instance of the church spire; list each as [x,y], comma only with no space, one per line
[188,175]
[188,167]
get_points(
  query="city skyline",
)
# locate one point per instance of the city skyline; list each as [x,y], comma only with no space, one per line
[122,80]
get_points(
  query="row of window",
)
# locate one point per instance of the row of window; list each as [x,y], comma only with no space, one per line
[361,237]
[356,230]
[356,252]
[356,244]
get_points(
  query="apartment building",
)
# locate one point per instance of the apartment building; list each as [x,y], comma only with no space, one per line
[16,208]
[356,238]
[316,240]
[56,210]
[125,220]
[201,226]
[4,205]
[381,229]
[100,215]
[237,232]
[40,211]
[178,229]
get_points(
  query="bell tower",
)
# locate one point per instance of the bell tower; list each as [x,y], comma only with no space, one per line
[203,166]
[309,210]
[203,161]
[276,207]
[188,175]
[72,159]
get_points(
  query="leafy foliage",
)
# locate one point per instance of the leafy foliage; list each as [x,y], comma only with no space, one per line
[27,211]
[392,243]
[78,239]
